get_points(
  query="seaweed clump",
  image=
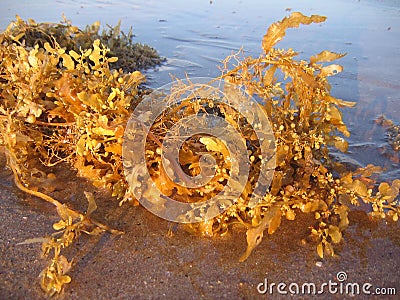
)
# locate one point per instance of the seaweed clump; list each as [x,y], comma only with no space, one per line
[63,106]
[392,132]
[61,102]
[132,56]
[307,124]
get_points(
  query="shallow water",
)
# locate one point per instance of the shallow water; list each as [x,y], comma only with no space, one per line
[196,35]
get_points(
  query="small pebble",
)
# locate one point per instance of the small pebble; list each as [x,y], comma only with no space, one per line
[318,264]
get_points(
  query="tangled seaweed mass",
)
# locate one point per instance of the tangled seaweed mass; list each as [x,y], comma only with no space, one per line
[66,96]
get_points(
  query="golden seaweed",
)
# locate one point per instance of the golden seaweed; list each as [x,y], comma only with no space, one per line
[62,102]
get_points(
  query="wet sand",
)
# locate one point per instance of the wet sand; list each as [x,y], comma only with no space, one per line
[156,259]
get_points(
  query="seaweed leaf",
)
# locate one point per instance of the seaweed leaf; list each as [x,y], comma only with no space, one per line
[277,30]
[325,56]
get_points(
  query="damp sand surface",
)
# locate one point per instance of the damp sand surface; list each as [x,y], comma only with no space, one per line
[157,259]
